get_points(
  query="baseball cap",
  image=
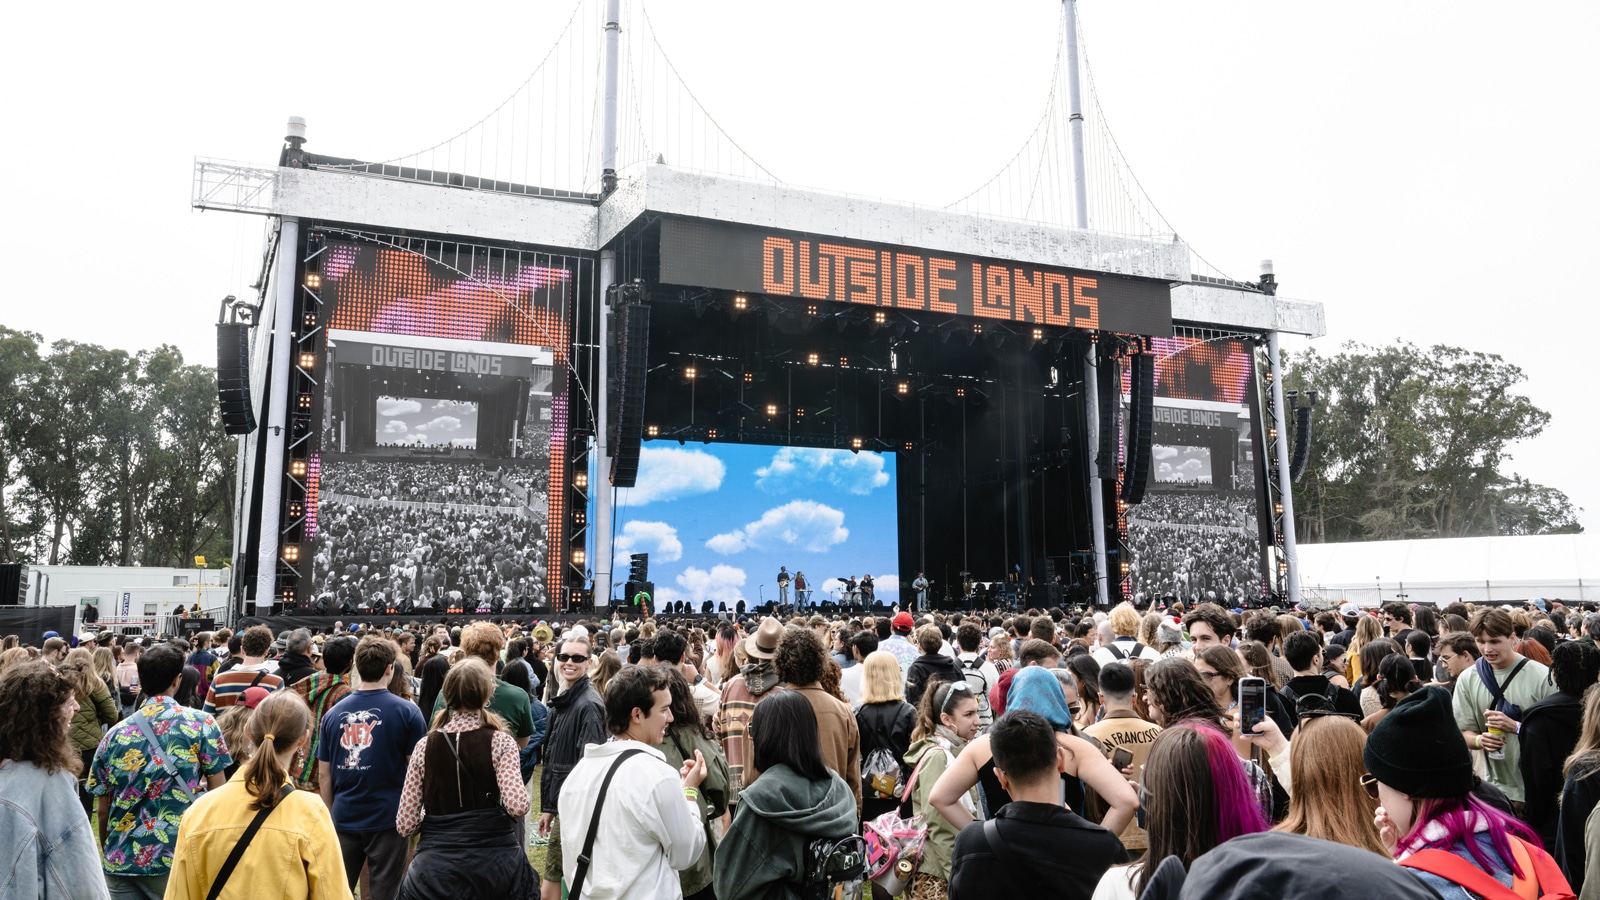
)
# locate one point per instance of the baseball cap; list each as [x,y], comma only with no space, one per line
[253,696]
[903,620]
[1350,610]
[50,634]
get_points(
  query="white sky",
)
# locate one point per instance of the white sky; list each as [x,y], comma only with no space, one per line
[1426,170]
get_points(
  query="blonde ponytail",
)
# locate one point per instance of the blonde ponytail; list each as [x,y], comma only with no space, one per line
[278,724]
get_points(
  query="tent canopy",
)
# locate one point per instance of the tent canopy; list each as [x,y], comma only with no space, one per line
[1477,570]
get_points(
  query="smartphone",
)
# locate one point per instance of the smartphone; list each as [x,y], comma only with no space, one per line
[1121,758]
[1252,703]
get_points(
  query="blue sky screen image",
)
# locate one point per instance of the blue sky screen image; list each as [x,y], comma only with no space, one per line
[719,519]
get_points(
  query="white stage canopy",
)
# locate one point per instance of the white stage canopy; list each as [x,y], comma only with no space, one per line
[1477,570]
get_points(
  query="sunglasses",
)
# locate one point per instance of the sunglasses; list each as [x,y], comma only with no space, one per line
[571,657]
[1369,783]
[950,695]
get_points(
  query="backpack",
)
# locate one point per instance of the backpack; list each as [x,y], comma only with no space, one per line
[972,673]
[836,869]
[1323,704]
[1138,650]
[1546,883]
[882,776]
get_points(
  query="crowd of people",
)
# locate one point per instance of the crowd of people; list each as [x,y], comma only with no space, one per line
[374,555]
[462,484]
[1178,751]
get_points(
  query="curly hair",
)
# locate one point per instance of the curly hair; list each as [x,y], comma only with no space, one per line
[1180,693]
[31,696]
[799,657]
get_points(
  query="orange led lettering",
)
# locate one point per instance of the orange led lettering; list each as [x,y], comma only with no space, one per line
[855,265]
[937,286]
[818,289]
[1082,302]
[1029,294]
[1057,299]
[911,287]
[886,278]
[777,266]
[996,292]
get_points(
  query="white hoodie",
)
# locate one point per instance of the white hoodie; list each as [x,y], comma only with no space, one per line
[648,831]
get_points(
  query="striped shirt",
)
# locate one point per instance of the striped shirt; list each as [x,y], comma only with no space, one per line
[229,686]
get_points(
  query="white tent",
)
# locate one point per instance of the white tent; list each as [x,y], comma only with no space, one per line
[1477,570]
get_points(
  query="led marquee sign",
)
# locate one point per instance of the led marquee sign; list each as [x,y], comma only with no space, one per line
[812,267]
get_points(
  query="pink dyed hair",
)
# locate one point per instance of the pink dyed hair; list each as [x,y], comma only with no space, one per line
[1238,810]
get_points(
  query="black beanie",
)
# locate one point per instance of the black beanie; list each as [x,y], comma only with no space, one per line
[1418,750]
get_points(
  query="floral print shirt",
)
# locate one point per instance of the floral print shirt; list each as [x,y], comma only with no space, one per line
[146,802]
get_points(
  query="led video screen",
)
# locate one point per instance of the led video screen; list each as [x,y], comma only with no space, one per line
[438,476]
[720,521]
[1197,535]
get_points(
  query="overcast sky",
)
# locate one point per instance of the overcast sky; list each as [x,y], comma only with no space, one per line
[1425,170]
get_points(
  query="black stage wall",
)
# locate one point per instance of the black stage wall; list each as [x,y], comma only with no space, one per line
[31,622]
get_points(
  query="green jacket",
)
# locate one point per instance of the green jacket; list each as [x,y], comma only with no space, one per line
[763,855]
[93,711]
[941,843]
[716,793]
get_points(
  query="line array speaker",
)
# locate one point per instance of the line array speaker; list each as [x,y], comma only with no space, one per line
[1108,388]
[634,351]
[1141,427]
[1302,443]
[233,378]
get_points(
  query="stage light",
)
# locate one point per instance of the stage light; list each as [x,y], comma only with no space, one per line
[880,317]
[961,392]
[688,372]
[739,301]
[844,362]
[749,377]
[711,434]
[307,360]
[1038,334]
[905,387]
[291,552]
[297,468]
[811,310]
[652,430]
[855,443]
[977,328]
[800,413]
[295,509]
[578,556]
[811,359]
[908,446]
[580,480]
[772,409]
[313,280]
[310,320]
[1277,509]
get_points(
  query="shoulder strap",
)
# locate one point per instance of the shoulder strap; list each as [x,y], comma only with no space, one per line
[575,890]
[1458,870]
[259,675]
[998,846]
[244,841]
[911,782]
[1116,651]
[1496,689]
[158,750]
[1552,882]
[1138,650]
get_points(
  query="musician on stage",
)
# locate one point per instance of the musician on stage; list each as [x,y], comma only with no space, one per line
[868,593]
[783,585]
[920,585]
[802,591]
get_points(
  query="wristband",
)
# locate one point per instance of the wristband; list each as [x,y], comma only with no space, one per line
[1479,744]
[691,794]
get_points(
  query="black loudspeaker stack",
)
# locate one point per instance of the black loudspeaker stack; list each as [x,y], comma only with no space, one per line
[633,339]
[1141,425]
[233,378]
[1108,387]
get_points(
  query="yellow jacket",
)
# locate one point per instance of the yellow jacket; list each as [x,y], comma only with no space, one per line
[295,855]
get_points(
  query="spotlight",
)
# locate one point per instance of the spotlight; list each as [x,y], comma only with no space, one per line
[844,362]
[581,480]
[578,556]
[711,434]
[811,310]
[652,430]
[904,387]
[908,446]
[297,468]
[688,372]
[291,552]
[307,360]
[749,377]
[880,317]
[800,413]
[961,392]
[313,280]
[811,359]
[855,443]
[739,301]
[1038,334]
[772,409]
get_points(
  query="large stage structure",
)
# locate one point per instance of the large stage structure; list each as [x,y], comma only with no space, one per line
[452,373]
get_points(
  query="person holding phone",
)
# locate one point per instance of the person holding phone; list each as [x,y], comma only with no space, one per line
[1125,734]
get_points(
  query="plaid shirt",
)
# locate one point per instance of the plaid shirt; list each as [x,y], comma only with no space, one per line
[146,802]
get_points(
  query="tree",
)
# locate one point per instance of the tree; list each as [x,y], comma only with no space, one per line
[20,369]
[1412,443]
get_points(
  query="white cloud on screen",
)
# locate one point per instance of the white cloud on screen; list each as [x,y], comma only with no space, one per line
[395,426]
[442,423]
[672,473]
[796,468]
[723,584]
[799,525]
[658,539]
[393,406]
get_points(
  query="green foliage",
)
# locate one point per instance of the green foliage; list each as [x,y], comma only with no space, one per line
[109,459]
[1411,443]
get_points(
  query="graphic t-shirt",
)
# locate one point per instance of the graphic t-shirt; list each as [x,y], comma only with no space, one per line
[366,739]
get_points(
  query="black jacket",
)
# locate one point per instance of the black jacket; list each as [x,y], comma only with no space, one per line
[1274,865]
[577,718]
[1549,732]
[294,666]
[929,667]
[1049,846]
[1578,798]
[1344,700]
[470,854]
[884,726]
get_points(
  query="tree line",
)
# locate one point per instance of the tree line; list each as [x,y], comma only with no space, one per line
[110,458]
[1415,443]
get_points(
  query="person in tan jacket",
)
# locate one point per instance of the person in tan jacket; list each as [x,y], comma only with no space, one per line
[799,662]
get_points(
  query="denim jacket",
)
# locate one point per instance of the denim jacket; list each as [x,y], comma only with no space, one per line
[44,832]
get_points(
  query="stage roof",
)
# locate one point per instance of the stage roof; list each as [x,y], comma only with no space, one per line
[370,200]
[1443,570]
